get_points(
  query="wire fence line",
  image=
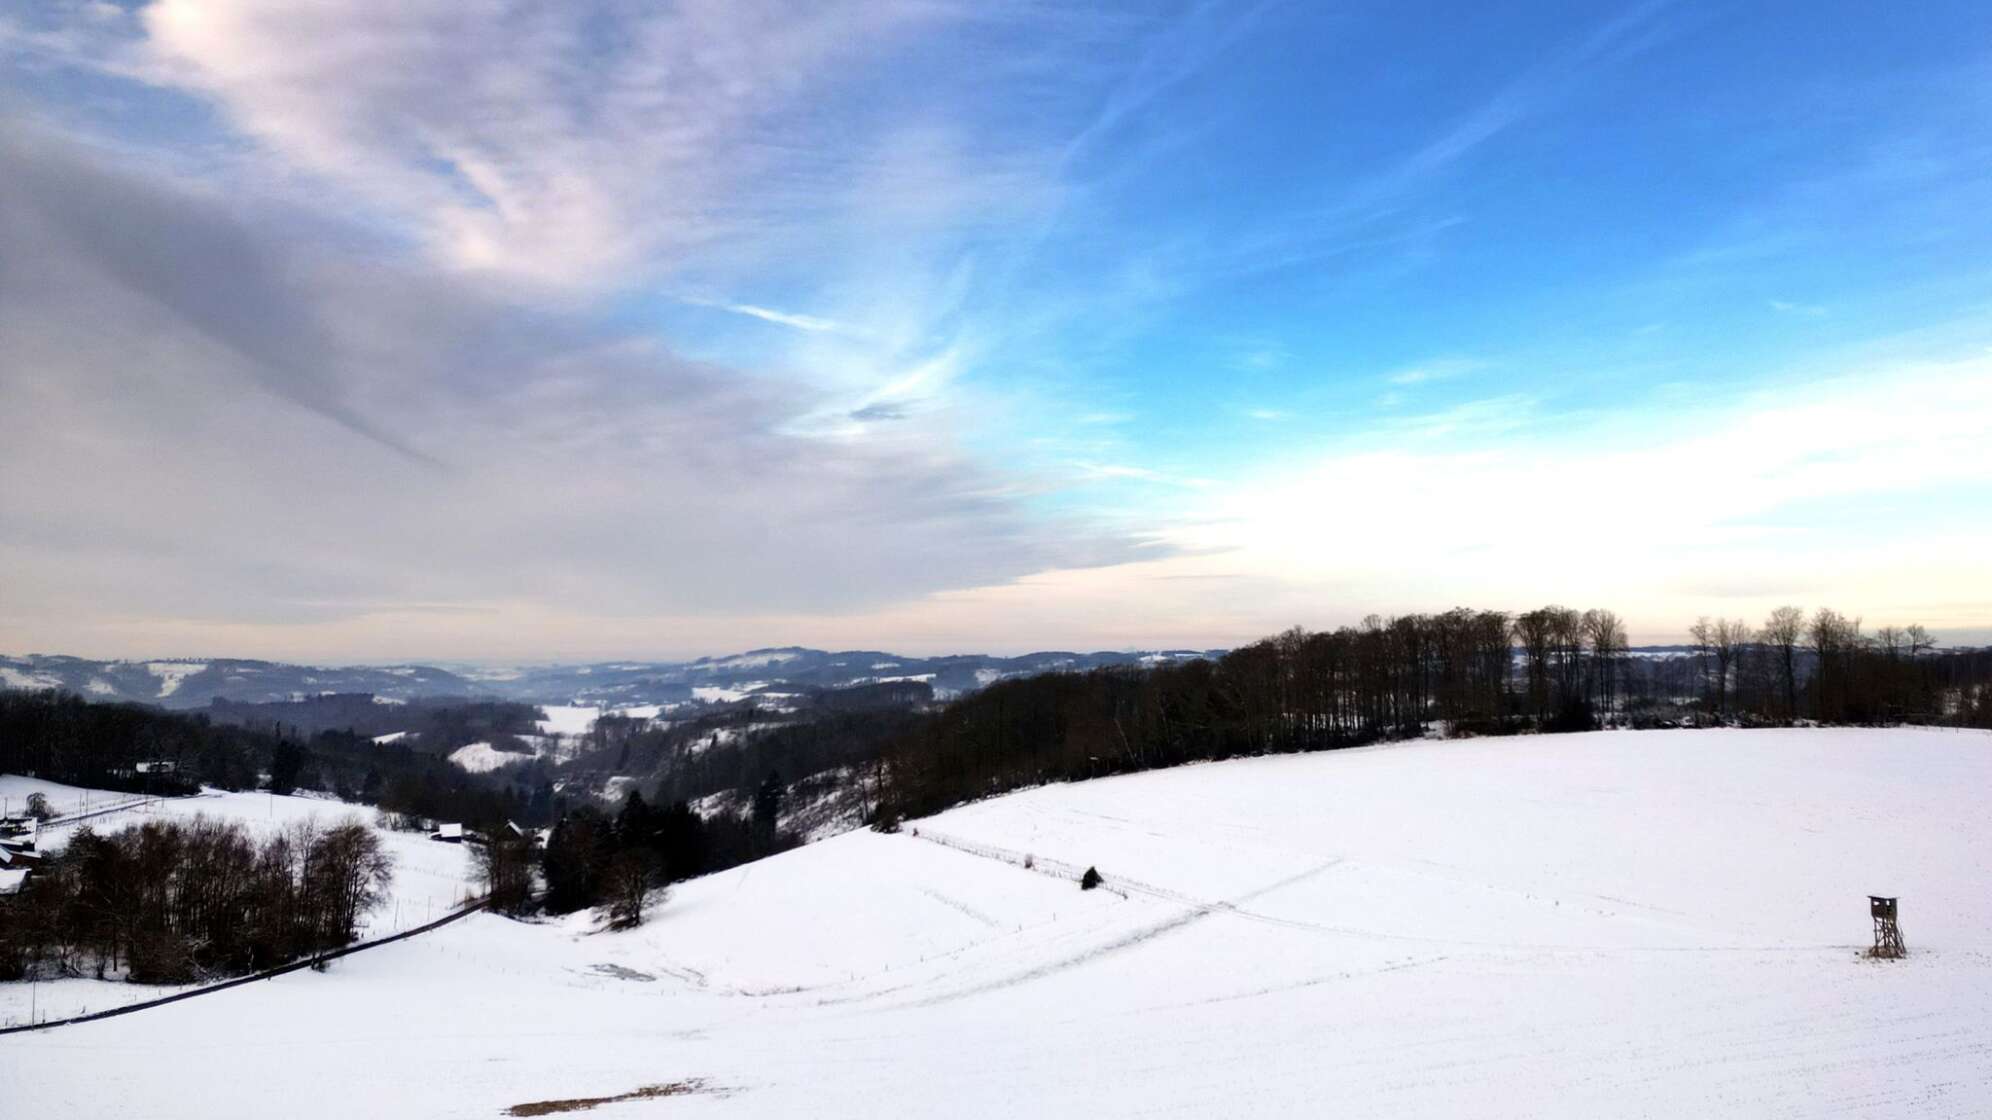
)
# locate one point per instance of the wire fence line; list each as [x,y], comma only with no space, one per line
[468,909]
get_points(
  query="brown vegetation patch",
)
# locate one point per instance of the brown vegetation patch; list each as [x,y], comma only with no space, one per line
[582,1104]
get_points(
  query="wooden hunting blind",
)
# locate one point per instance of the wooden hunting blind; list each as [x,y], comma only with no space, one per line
[1887,935]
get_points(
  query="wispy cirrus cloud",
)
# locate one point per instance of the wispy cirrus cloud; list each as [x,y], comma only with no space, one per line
[1438,369]
[431,268]
[815,323]
[286,437]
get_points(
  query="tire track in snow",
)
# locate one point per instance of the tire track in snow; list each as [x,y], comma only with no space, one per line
[961,907]
[1128,888]
[1197,912]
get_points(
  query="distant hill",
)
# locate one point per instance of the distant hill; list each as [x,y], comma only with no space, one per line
[183,684]
[190,683]
[790,668]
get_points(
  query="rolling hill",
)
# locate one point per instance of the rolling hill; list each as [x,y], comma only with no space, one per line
[1610,924]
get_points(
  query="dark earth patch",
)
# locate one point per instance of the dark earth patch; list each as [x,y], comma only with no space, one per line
[582,1104]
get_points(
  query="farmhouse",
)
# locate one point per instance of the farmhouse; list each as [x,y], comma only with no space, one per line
[18,854]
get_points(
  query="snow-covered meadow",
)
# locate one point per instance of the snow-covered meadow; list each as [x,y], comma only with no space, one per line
[430,878]
[1658,924]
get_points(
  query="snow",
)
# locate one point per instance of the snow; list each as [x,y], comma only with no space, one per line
[568,719]
[63,800]
[172,674]
[482,758]
[390,737]
[757,660]
[429,878]
[11,677]
[101,687]
[1656,924]
[713,694]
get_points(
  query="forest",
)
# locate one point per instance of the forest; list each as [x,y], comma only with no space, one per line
[1463,672]
[63,738]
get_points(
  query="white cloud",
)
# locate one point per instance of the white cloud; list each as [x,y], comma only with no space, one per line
[1438,369]
[569,144]
[769,315]
[1128,472]
[283,443]
[1633,510]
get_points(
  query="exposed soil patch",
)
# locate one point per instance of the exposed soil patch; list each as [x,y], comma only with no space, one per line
[621,973]
[582,1104]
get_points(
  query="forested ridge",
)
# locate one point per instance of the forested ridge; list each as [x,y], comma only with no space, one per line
[1463,672]
[63,738]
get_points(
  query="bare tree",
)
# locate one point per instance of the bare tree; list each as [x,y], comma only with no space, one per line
[505,864]
[1782,633]
[1833,636]
[1535,632]
[1919,640]
[630,876]
[1607,638]
[1729,636]
[1703,633]
[349,877]
[1891,641]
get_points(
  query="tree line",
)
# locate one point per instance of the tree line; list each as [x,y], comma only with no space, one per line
[1826,667]
[595,860]
[1463,672]
[170,902]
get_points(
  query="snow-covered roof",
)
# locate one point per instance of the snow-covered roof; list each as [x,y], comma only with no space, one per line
[10,881]
[450,831]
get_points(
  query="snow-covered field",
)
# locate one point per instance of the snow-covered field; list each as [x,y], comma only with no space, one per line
[430,878]
[1660,924]
[482,758]
[568,719]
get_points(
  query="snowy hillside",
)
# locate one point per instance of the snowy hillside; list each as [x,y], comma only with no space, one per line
[185,684]
[765,674]
[1658,924]
[430,878]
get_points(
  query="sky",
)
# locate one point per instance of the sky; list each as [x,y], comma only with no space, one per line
[461,329]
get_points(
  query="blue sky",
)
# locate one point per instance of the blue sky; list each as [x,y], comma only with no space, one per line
[611,330]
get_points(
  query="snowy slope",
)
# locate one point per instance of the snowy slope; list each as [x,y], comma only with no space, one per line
[1654,924]
[430,878]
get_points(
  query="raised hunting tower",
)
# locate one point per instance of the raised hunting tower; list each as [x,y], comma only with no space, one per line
[1887,935]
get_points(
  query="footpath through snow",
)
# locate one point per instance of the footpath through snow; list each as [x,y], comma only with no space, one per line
[1619,924]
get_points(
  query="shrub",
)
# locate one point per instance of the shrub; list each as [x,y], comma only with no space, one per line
[161,958]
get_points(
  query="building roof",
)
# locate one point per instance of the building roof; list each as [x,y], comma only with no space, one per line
[10,881]
[450,831]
